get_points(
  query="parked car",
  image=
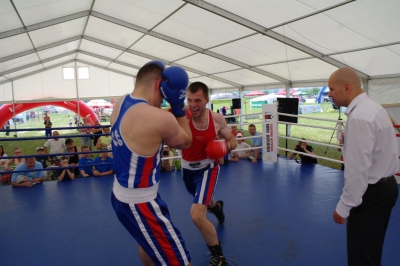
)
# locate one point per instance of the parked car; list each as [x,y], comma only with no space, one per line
[18,118]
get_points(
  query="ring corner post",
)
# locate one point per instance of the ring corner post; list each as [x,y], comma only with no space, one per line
[270,133]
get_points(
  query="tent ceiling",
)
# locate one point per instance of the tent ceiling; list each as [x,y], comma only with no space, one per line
[223,43]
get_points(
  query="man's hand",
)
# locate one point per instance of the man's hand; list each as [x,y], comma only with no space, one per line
[96,173]
[338,219]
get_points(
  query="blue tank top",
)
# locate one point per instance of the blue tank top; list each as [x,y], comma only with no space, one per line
[131,169]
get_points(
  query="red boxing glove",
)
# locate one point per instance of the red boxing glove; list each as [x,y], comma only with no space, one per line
[217,149]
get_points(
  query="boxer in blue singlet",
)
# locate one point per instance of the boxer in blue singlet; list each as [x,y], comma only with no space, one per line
[139,129]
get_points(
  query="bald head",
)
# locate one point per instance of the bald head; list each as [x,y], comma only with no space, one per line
[347,75]
[344,85]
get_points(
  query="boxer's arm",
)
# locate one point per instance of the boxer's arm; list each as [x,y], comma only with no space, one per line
[175,131]
[224,131]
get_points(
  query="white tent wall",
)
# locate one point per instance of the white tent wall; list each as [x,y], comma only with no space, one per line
[6,93]
[385,90]
[104,84]
[50,85]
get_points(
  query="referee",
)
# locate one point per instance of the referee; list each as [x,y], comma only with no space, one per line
[371,158]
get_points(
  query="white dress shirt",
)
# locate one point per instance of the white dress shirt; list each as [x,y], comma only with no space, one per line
[370,150]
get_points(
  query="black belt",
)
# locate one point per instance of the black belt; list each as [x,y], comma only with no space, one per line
[384,179]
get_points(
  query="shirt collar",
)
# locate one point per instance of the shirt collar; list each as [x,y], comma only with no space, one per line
[354,102]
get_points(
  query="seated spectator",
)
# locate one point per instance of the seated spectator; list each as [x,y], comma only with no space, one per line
[64,174]
[16,161]
[104,141]
[54,146]
[235,131]
[5,178]
[255,154]
[73,160]
[167,165]
[236,155]
[303,147]
[28,179]
[85,163]
[104,165]
[41,158]
[3,159]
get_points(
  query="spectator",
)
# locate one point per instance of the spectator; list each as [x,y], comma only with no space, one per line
[41,158]
[28,179]
[8,124]
[167,165]
[224,111]
[104,141]
[16,161]
[73,160]
[236,155]
[47,125]
[104,165]
[303,147]
[3,159]
[64,174]
[56,145]
[69,121]
[96,131]
[86,140]
[235,131]
[85,163]
[255,154]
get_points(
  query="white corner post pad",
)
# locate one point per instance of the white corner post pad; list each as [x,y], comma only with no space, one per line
[269,117]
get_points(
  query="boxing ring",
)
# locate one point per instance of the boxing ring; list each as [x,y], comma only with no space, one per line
[276,214]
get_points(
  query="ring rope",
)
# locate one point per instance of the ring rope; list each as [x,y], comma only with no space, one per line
[54,137]
[313,142]
[305,125]
[52,168]
[314,156]
[52,128]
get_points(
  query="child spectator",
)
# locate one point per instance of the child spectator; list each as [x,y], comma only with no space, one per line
[64,174]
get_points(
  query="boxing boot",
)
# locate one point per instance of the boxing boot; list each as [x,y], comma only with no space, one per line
[217,258]
[218,211]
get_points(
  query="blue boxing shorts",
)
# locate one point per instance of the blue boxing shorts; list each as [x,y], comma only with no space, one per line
[200,180]
[150,224]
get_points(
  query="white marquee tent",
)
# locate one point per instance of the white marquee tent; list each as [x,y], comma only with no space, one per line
[228,44]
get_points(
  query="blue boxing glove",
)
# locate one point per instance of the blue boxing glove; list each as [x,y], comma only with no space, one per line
[174,87]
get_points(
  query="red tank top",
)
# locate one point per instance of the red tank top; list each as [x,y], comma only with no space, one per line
[197,151]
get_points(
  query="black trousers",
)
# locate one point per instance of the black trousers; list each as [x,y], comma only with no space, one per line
[367,224]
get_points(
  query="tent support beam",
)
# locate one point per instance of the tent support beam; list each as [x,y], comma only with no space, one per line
[269,33]
[37,63]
